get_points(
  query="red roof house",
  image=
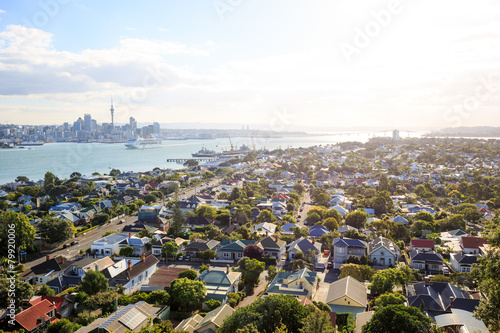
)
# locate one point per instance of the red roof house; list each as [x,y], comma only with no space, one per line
[471,244]
[38,315]
[422,244]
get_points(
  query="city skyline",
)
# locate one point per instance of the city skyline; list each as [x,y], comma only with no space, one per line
[384,64]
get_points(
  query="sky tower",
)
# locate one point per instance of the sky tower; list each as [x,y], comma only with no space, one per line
[112,112]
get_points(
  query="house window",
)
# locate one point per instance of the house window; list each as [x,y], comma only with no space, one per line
[140,278]
[240,255]
[146,273]
[226,255]
[340,250]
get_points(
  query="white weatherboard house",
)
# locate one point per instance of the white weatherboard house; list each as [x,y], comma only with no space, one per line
[383,252]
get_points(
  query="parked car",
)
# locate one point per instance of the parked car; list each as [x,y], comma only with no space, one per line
[330,264]
[74,242]
[121,221]
[187,258]
[66,245]
[180,258]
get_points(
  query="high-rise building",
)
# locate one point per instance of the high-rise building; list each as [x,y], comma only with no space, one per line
[133,124]
[93,127]
[395,135]
[156,128]
[87,122]
[78,125]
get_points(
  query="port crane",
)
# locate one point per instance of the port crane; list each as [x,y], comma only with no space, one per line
[253,144]
[232,147]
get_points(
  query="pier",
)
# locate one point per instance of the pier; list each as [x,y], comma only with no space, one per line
[202,159]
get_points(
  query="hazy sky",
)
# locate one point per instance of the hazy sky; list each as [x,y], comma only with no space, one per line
[287,63]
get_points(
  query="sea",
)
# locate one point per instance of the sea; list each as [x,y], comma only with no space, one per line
[64,158]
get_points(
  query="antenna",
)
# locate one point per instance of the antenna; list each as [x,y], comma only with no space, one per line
[112,112]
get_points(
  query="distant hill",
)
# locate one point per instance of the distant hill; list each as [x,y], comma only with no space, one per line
[477,131]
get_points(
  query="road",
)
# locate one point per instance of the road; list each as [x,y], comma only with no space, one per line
[85,240]
[305,206]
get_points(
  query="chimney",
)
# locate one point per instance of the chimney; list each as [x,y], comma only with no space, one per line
[130,265]
[227,269]
[208,268]
[62,259]
[276,238]
[144,257]
[129,235]
[313,241]
[230,240]
[427,281]
[47,257]
[341,235]
[451,301]
[267,233]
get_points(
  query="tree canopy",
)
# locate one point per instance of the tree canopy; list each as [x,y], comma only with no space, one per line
[186,293]
[93,282]
[397,318]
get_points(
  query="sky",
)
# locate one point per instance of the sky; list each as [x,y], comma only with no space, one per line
[277,65]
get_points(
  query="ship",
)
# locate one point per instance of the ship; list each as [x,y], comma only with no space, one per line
[204,152]
[141,143]
[31,143]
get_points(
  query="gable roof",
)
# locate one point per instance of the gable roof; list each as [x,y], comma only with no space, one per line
[463,258]
[350,242]
[305,245]
[470,242]
[197,322]
[423,243]
[304,274]
[28,318]
[202,245]
[318,230]
[436,296]
[270,243]
[349,287]
[416,255]
[47,267]
[137,269]
[379,242]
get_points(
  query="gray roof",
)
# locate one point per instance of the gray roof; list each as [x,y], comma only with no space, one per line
[467,259]
[436,297]
[382,242]
[461,318]
[305,274]
[112,239]
[305,245]
[349,287]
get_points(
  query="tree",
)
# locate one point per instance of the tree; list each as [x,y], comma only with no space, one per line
[299,188]
[332,212]
[191,163]
[384,281]
[93,282]
[271,273]
[252,251]
[423,216]
[187,293]
[487,273]
[331,223]
[397,318]
[317,322]
[165,327]
[24,290]
[266,216]
[158,297]
[356,219]
[388,298]
[212,304]
[144,233]
[322,199]
[313,217]
[56,230]
[169,249]
[22,179]
[207,212]
[251,269]
[300,232]
[359,272]
[189,274]
[267,313]
[126,251]
[19,225]
[177,221]
[62,326]
[115,172]
[45,290]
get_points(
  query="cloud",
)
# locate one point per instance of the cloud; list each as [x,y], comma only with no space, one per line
[29,64]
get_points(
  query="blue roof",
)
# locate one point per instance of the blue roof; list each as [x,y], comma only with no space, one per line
[318,230]
[288,226]
[348,242]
